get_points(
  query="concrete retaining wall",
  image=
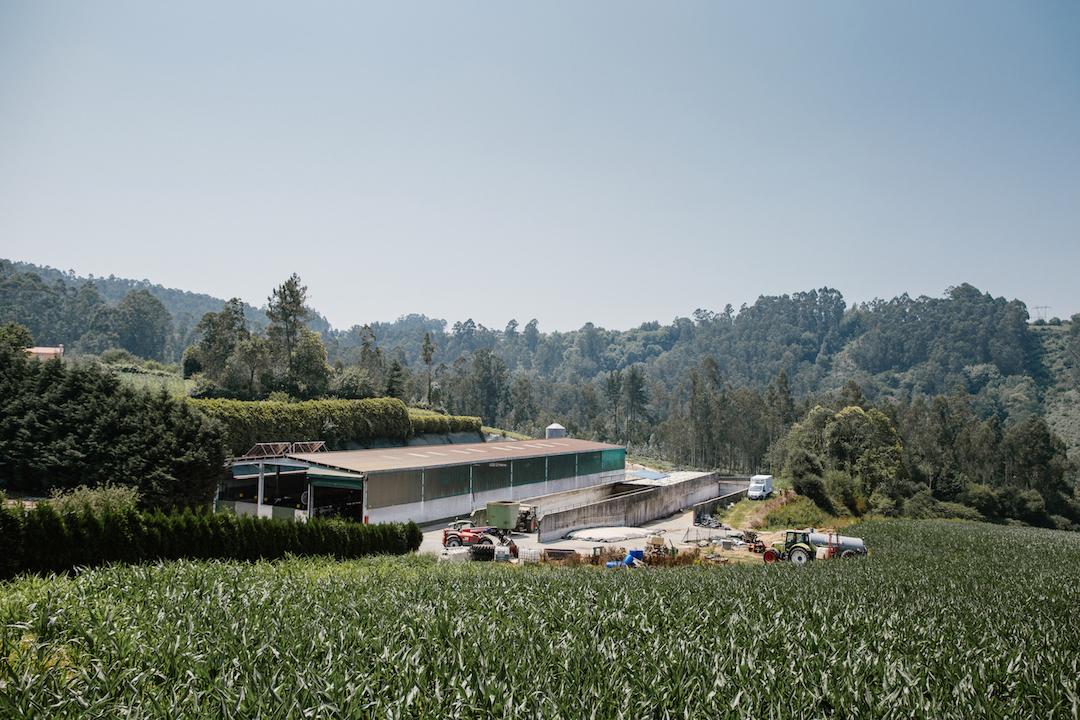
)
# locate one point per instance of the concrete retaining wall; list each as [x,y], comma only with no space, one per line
[709,506]
[638,507]
[547,504]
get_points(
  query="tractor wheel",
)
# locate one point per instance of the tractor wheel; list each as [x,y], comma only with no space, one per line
[770,556]
[453,541]
[484,541]
[799,556]
[848,554]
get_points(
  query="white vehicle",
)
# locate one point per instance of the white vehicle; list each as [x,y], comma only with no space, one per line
[760,487]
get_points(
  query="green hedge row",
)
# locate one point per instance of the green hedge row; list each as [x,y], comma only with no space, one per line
[444,424]
[338,422]
[44,540]
[341,423]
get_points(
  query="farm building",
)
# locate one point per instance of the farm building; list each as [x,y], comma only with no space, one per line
[45,353]
[420,483]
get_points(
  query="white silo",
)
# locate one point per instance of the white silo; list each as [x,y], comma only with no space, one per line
[555,430]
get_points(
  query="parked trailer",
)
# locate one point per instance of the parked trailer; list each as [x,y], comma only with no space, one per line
[511,516]
[838,544]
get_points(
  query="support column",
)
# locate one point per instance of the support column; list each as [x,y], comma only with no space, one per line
[363,499]
[262,486]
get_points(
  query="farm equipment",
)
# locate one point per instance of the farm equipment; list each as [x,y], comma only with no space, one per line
[464,533]
[708,521]
[753,543]
[802,546]
[493,525]
[509,516]
[655,548]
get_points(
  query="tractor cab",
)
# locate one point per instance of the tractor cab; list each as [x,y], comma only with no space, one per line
[795,537]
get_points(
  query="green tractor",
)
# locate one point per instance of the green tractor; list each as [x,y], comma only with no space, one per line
[801,546]
[795,546]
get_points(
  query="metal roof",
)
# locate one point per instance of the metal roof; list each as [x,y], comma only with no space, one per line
[426,456]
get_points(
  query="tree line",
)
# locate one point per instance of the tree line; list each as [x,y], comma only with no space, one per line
[930,457]
[64,425]
[720,390]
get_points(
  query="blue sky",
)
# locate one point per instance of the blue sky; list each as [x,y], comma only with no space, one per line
[612,162]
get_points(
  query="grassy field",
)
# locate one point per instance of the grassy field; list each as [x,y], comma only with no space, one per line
[176,385]
[944,620]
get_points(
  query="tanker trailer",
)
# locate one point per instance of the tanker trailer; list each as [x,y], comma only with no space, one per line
[835,545]
[801,546]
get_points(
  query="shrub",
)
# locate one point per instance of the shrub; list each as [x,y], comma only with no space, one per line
[799,513]
[11,540]
[921,505]
[924,506]
[1060,522]
[882,504]
[957,511]
[983,498]
[443,424]
[191,363]
[842,488]
[96,501]
[114,356]
[803,463]
[353,383]
[1025,505]
[812,487]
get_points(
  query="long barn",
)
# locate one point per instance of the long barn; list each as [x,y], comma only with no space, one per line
[421,483]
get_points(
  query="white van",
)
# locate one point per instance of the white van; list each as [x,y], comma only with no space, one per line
[760,487]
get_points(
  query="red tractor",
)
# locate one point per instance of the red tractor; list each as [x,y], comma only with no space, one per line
[463,532]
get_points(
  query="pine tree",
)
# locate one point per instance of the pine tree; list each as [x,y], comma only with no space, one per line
[427,354]
[287,312]
[613,394]
[636,396]
[395,381]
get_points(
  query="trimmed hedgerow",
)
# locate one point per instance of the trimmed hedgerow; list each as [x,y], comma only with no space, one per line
[338,422]
[43,539]
[443,424]
[341,423]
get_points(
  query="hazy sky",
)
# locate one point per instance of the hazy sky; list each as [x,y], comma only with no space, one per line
[608,161]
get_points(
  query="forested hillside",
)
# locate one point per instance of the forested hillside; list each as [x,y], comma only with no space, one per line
[92,314]
[958,394]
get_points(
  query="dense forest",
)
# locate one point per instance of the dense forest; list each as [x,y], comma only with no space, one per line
[963,383]
[92,314]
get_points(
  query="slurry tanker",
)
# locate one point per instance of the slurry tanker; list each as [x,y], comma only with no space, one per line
[802,546]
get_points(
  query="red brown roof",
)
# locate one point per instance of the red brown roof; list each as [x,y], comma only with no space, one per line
[415,457]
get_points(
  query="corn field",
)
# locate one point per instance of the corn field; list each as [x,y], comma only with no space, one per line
[944,620]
